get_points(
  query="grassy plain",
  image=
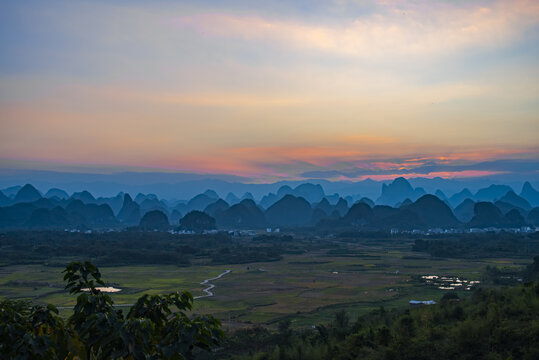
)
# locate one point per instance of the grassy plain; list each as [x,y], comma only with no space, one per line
[306,288]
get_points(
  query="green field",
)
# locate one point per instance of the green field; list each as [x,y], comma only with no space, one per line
[306,288]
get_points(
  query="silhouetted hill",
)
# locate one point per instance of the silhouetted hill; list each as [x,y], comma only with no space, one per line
[341,207]
[197,221]
[245,215]
[93,215]
[55,192]
[360,214]
[486,214]
[27,193]
[383,211]
[433,212]
[459,197]
[16,215]
[514,199]
[318,215]
[217,207]
[54,218]
[533,216]
[464,212]
[492,193]
[154,220]
[130,212]
[514,219]
[325,206]
[289,211]
[530,194]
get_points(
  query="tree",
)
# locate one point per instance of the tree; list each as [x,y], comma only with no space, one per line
[156,326]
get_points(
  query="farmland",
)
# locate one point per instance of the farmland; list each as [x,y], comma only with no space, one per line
[306,286]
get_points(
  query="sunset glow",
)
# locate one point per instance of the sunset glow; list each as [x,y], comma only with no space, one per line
[336,90]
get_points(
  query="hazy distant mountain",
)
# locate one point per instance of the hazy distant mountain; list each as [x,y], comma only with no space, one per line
[201,201]
[27,193]
[245,215]
[459,197]
[397,191]
[268,200]
[85,197]
[289,211]
[55,192]
[153,204]
[197,221]
[506,207]
[130,212]
[367,201]
[232,199]
[115,202]
[154,220]
[406,202]
[217,207]
[440,194]
[465,210]
[247,196]
[492,193]
[141,197]
[4,200]
[514,199]
[310,192]
[11,191]
[530,194]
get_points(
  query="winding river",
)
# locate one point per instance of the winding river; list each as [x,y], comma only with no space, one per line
[208,290]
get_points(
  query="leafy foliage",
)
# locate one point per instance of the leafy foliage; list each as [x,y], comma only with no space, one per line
[492,324]
[156,327]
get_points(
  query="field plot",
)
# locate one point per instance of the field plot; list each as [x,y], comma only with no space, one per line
[306,288]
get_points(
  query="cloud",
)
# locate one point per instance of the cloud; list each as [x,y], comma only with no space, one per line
[398,29]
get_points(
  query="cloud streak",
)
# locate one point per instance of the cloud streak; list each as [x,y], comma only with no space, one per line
[401,29]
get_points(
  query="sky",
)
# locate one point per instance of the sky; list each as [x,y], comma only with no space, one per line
[272,90]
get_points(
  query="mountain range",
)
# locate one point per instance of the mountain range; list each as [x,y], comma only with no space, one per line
[399,206]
